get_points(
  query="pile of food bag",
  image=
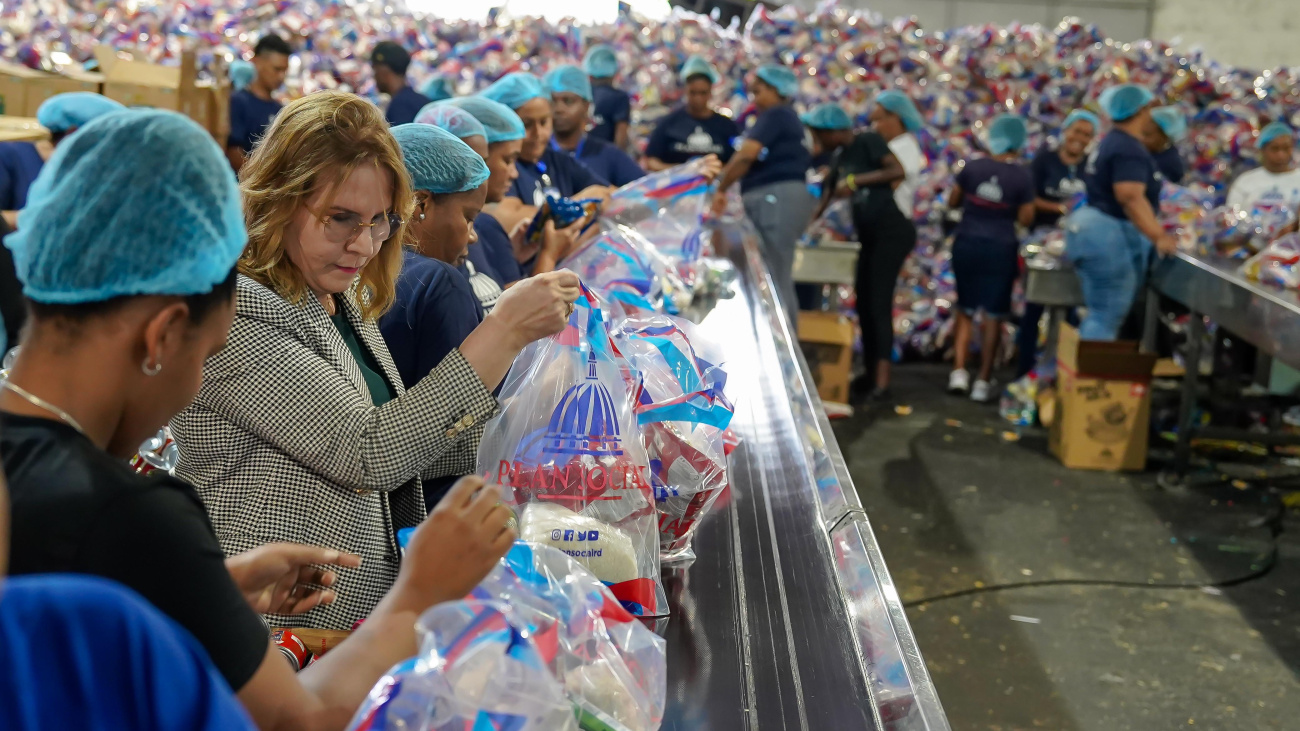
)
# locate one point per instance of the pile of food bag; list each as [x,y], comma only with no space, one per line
[1277,264]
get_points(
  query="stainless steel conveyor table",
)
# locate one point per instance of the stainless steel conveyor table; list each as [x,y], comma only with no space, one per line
[788,619]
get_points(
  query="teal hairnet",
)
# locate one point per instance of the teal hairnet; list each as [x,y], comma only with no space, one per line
[499,121]
[242,74]
[436,88]
[1125,101]
[780,78]
[438,161]
[568,78]
[137,202]
[515,90]
[1082,115]
[697,66]
[601,62]
[1007,133]
[63,112]
[1171,121]
[901,104]
[827,116]
[1272,132]
[453,119]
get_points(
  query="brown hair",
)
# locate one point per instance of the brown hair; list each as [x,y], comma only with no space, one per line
[319,140]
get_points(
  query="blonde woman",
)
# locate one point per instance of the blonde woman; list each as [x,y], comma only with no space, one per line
[303,430]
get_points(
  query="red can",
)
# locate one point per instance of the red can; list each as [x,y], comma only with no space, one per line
[292,648]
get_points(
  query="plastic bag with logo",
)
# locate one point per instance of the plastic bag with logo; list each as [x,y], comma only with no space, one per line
[623,268]
[1278,264]
[682,413]
[565,443]
[668,208]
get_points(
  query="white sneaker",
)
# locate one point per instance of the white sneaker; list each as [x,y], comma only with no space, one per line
[958,382]
[980,391]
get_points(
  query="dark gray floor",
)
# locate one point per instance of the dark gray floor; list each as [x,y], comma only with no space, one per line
[954,502]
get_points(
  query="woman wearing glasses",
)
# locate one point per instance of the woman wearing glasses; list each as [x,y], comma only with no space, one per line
[303,430]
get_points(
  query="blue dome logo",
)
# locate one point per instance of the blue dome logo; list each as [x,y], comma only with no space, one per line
[585,421]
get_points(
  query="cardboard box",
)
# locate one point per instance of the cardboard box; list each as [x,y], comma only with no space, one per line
[1103,411]
[140,84]
[827,342]
[22,129]
[15,80]
[45,86]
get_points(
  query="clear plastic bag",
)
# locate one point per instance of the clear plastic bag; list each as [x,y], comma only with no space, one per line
[1278,264]
[565,443]
[622,267]
[668,209]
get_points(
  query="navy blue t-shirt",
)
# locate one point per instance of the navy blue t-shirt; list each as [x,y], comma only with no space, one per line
[606,160]
[564,173]
[434,312]
[1120,158]
[679,137]
[1054,180]
[609,106]
[993,193]
[1170,165]
[784,156]
[20,163]
[404,105]
[493,255]
[81,652]
[250,115]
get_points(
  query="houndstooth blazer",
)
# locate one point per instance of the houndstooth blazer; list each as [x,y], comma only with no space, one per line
[284,443]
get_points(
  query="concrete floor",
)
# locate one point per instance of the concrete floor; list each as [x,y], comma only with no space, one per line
[954,501]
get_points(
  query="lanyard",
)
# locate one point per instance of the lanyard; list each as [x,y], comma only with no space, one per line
[577,151]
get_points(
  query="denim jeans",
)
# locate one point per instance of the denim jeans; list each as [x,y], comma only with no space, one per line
[1111,258]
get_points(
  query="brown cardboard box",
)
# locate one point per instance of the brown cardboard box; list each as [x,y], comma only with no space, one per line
[1103,404]
[140,84]
[827,342]
[15,81]
[45,86]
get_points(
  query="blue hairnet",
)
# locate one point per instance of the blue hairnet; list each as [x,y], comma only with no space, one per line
[1272,132]
[515,90]
[453,119]
[1125,101]
[601,62]
[1082,115]
[438,161]
[436,88]
[242,74]
[780,78]
[62,112]
[697,66]
[1171,121]
[568,78]
[827,116]
[901,104]
[499,121]
[137,202]
[1007,133]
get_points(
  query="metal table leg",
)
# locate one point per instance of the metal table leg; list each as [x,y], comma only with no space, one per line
[1187,405]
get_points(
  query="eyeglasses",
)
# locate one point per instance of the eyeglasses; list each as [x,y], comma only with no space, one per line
[344,228]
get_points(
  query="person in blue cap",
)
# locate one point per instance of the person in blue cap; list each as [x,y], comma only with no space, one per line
[612,107]
[241,74]
[694,129]
[1162,140]
[831,129]
[994,193]
[771,166]
[437,88]
[253,106]
[897,119]
[389,62]
[1276,182]
[1109,240]
[571,98]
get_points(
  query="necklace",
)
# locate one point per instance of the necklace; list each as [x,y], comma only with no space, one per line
[41,403]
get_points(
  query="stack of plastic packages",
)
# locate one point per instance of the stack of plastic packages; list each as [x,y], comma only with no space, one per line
[1277,264]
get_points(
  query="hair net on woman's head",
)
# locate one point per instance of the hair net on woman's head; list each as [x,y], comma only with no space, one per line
[601,62]
[1007,133]
[62,112]
[780,78]
[1125,101]
[1082,115]
[568,78]
[515,90]
[1272,132]
[697,66]
[1171,121]
[242,74]
[901,104]
[138,202]
[453,119]
[827,116]
[499,121]
[438,161]
[436,88]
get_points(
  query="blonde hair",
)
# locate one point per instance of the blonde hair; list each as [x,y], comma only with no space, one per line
[319,140]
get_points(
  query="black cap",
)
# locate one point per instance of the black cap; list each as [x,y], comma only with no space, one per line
[392,55]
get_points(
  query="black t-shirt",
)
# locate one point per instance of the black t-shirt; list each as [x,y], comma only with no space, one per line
[679,137]
[865,154]
[784,157]
[77,510]
[1055,181]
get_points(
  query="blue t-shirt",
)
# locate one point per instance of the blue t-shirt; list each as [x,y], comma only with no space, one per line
[1120,158]
[1170,165]
[20,163]
[404,105]
[250,115]
[434,312]
[493,255]
[679,137]
[993,193]
[562,171]
[606,160]
[609,106]
[81,652]
[784,156]
[1054,180]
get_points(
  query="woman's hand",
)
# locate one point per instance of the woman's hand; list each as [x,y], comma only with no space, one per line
[535,308]
[719,206]
[710,166]
[519,243]
[556,245]
[283,578]
[1166,244]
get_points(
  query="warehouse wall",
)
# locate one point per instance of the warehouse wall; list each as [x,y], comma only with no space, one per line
[1124,20]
